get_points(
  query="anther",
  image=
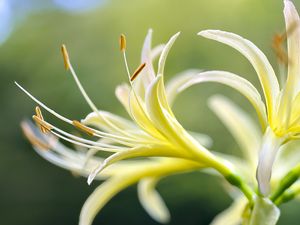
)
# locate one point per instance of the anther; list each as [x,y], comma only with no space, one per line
[65,56]
[137,71]
[45,127]
[83,128]
[122,43]
[38,113]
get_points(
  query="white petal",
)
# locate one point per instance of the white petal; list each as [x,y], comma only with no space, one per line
[259,61]
[232,215]
[143,151]
[264,210]
[240,125]
[165,52]
[101,196]
[292,23]
[176,82]
[236,82]
[268,152]
[152,201]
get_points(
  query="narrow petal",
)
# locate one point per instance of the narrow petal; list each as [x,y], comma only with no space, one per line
[236,82]
[268,152]
[152,201]
[256,57]
[240,125]
[101,196]
[164,54]
[144,151]
[111,187]
[233,214]
[292,21]
[94,120]
[178,81]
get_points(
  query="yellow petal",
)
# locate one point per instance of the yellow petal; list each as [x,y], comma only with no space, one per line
[236,82]
[152,201]
[259,61]
[112,186]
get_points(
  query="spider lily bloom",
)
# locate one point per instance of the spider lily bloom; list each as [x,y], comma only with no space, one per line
[154,134]
[279,114]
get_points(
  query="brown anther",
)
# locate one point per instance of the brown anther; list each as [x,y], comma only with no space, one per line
[122,42]
[39,115]
[83,128]
[278,40]
[65,56]
[137,71]
[32,138]
[45,127]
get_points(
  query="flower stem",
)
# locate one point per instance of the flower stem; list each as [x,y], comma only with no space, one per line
[286,182]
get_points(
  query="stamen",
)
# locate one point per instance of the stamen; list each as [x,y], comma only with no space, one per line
[137,71]
[39,115]
[83,128]
[122,41]
[66,57]
[32,138]
[278,40]
[45,127]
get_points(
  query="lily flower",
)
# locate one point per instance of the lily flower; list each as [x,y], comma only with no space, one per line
[153,133]
[279,113]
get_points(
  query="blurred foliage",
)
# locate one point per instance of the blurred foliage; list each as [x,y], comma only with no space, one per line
[35,192]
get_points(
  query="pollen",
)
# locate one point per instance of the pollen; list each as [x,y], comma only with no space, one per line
[66,57]
[83,128]
[137,71]
[122,42]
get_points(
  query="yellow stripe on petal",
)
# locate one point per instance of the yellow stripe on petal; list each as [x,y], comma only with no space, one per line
[256,57]
[236,82]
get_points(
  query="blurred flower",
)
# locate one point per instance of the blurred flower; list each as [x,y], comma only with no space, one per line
[13,12]
[279,115]
[153,134]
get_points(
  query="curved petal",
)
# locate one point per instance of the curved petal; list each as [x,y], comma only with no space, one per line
[179,80]
[256,57]
[164,54]
[94,120]
[236,82]
[232,215]
[240,125]
[152,201]
[292,23]
[144,151]
[101,196]
[112,186]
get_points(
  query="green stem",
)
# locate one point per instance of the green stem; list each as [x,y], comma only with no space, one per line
[286,182]
[233,178]
[289,194]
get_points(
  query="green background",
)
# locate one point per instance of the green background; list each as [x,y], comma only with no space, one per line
[33,191]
